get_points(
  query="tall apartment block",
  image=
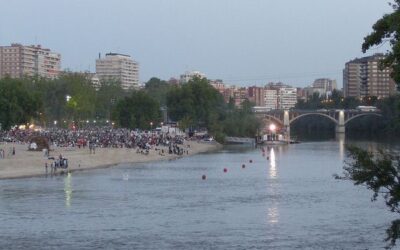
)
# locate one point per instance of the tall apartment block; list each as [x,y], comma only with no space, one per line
[326,84]
[362,77]
[256,95]
[287,98]
[271,99]
[18,60]
[118,67]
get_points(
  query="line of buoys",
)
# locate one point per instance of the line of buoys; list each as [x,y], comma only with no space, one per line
[225,170]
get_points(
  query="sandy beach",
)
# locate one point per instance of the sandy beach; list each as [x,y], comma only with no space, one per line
[31,163]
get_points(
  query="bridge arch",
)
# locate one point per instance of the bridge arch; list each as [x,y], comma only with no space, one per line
[308,114]
[360,115]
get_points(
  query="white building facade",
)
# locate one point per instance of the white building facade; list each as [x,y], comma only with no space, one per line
[271,99]
[287,98]
[189,75]
[118,67]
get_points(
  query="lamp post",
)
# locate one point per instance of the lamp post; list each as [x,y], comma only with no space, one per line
[151,126]
[272,128]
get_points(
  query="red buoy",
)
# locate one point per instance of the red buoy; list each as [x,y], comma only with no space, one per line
[204,177]
[225,170]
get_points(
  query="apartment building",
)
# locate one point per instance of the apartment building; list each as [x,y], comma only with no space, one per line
[17,61]
[363,77]
[271,99]
[256,95]
[287,98]
[118,67]
[240,95]
[189,75]
[328,85]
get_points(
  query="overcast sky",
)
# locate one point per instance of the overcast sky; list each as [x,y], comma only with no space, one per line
[243,42]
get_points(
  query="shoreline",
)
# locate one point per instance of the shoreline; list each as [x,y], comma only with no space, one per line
[29,164]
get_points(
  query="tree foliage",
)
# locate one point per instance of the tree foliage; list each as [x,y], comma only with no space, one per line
[71,96]
[379,172]
[158,90]
[197,104]
[137,111]
[387,29]
[107,97]
[196,100]
[17,104]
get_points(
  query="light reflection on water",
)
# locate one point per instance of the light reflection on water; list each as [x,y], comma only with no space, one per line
[68,189]
[340,138]
[290,201]
[273,215]
[272,164]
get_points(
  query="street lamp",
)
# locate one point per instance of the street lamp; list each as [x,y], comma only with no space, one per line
[272,128]
[151,125]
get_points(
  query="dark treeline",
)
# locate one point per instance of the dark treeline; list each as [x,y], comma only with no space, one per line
[196,104]
[72,99]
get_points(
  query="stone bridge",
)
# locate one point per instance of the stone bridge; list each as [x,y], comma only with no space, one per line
[340,117]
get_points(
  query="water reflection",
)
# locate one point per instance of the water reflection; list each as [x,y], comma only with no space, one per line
[68,190]
[272,164]
[340,137]
[273,214]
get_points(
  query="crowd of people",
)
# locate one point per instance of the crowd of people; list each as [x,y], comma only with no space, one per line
[103,137]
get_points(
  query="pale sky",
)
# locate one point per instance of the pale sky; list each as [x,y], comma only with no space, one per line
[243,42]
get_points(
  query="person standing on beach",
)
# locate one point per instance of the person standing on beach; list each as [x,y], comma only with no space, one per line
[13,151]
[52,168]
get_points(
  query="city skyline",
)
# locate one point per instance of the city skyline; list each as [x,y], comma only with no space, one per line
[242,43]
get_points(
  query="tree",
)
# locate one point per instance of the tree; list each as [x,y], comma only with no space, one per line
[387,29]
[17,104]
[198,101]
[379,171]
[241,121]
[82,93]
[158,89]
[137,111]
[107,96]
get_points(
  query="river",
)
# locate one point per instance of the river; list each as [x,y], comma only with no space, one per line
[288,201]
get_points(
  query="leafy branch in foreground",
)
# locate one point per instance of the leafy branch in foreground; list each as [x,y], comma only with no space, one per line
[387,29]
[379,172]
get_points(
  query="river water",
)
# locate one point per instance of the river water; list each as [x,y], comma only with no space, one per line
[289,201]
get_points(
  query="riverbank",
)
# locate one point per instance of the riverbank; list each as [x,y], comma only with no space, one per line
[30,163]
